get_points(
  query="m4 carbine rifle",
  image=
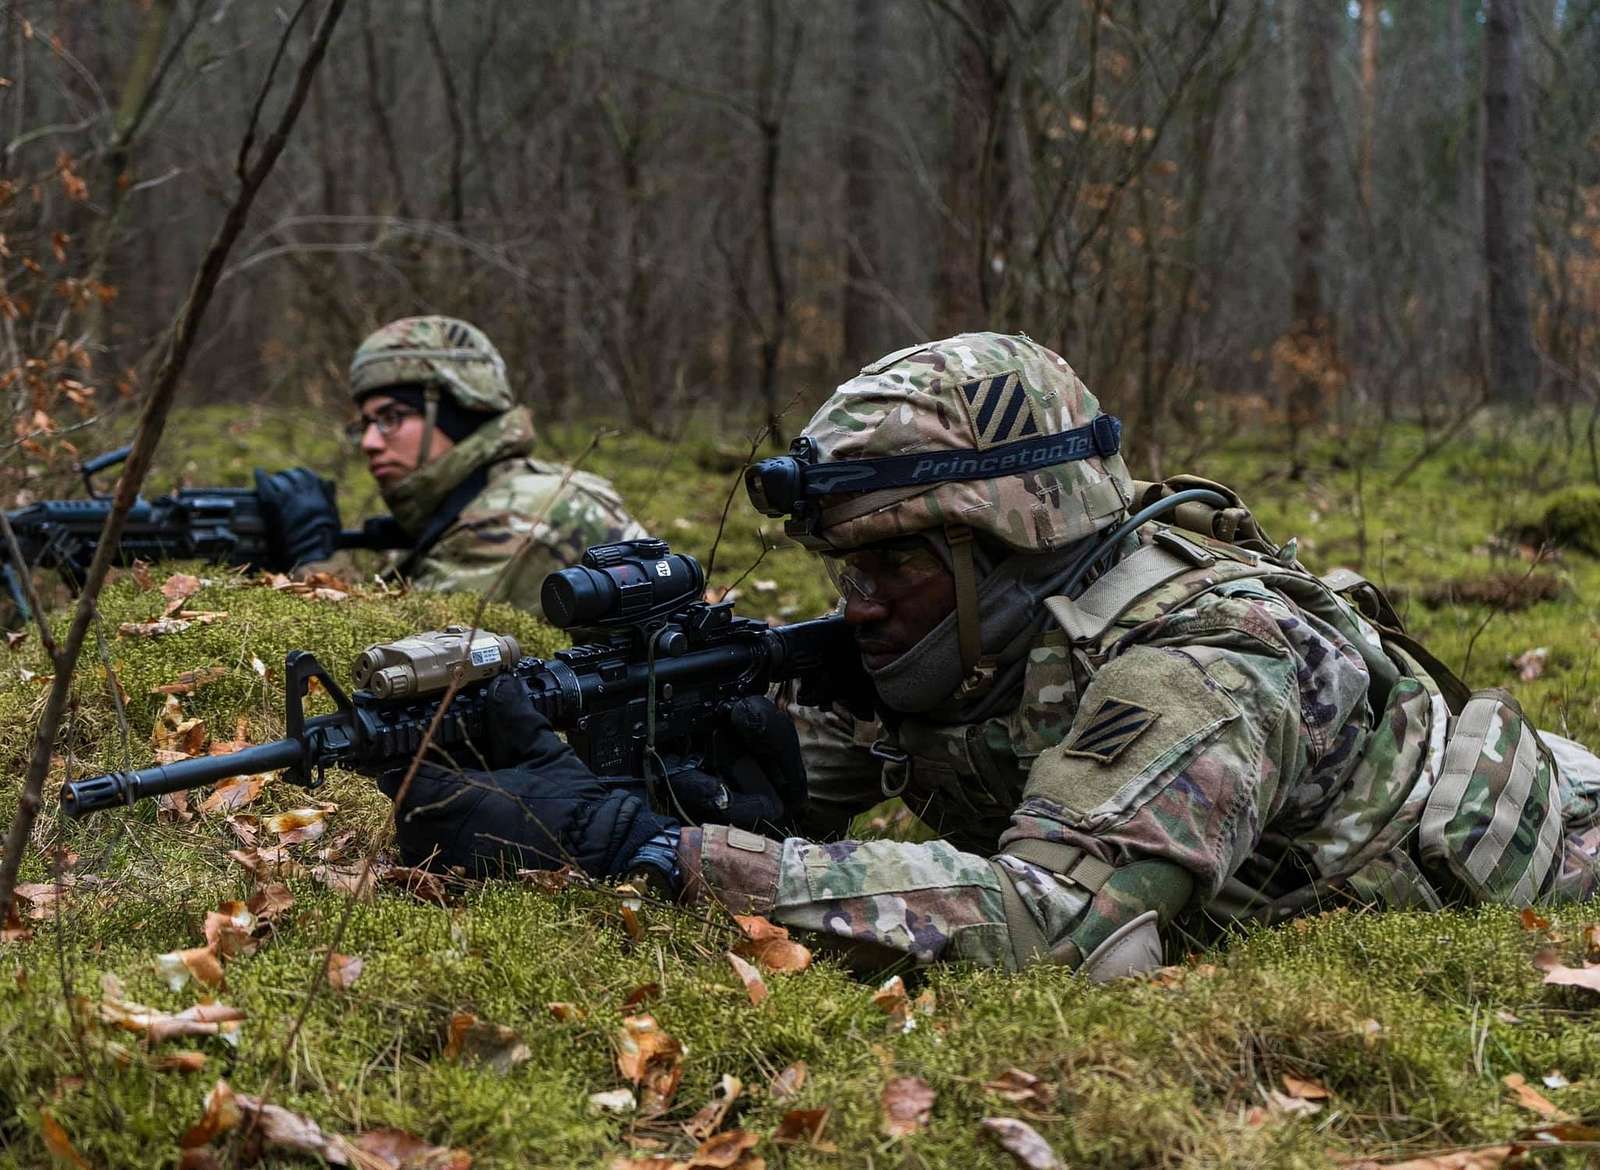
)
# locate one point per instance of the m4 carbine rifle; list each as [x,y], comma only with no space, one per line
[650,684]
[222,525]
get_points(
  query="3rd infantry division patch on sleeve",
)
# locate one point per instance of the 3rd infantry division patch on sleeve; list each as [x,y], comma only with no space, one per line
[1114,725]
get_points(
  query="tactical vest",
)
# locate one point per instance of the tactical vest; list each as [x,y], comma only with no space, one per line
[1485,832]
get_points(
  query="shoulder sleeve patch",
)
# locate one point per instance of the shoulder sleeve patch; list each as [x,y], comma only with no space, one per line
[1142,714]
[1112,726]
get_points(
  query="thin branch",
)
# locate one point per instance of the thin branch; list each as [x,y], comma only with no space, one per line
[152,421]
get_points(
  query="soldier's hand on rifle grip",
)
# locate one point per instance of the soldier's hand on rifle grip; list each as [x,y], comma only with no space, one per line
[301,513]
[768,734]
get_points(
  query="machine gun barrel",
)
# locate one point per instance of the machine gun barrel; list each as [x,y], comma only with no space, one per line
[81,797]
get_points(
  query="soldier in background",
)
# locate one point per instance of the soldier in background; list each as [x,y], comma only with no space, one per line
[451,451]
[1123,730]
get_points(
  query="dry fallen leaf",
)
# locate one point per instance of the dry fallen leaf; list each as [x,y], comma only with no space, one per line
[755,987]
[642,994]
[651,1059]
[1533,920]
[178,588]
[202,963]
[1483,1158]
[230,929]
[394,1149]
[788,1083]
[1022,1142]
[297,825]
[343,970]
[1306,1090]
[57,1141]
[613,1101]
[1563,976]
[204,1019]
[270,862]
[475,1041]
[234,793]
[907,1106]
[802,1127]
[141,574]
[174,733]
[565,1012]
[1532,1100]
[1293,1106]
[706,1122]
[41,897]
[419,883]
[271,901]
[1591,942]
[725,1151]
[769,945]
[189,680]
[1020,1087]
[184,1060]
[221,1114]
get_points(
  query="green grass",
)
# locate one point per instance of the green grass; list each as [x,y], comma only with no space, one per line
[1409,1020]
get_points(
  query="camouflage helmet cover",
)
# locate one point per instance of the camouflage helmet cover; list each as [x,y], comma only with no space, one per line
[441,350]
[971,391]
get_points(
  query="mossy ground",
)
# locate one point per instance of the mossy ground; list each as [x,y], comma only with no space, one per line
[1410,1021]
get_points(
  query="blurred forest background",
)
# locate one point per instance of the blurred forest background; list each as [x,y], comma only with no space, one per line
[1222,212]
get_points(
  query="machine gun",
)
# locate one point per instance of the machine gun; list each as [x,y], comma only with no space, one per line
[649,684]
[221,525]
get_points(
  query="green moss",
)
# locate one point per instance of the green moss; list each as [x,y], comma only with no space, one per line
[1570,519]
[1410,1020]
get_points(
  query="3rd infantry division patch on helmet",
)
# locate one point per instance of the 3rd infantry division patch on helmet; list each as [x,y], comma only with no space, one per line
[972,392]
[440,350]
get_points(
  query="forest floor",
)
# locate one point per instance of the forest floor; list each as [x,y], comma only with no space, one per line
[486,1019]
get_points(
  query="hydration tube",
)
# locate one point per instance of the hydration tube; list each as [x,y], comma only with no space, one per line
[1102,549]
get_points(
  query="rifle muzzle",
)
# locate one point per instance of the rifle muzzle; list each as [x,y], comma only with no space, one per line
[81,797]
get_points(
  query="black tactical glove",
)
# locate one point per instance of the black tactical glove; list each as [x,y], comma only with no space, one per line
[757,779]
[300,513]
[538,808]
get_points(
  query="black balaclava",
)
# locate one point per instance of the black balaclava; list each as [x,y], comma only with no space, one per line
[450,417]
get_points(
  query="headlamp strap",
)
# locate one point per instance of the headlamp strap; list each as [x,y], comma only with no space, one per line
[430,419]
[1102,437]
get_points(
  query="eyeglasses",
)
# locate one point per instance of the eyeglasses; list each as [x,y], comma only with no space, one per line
[388,419]
[885,572]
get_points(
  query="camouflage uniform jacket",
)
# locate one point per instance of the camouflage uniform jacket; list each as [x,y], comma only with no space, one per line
[556,513]
[1236,744]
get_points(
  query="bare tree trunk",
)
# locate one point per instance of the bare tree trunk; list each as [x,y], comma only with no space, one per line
[1369,92]
[867,330]
[1310,333]
[452,109]
[378,109]
[1507,208]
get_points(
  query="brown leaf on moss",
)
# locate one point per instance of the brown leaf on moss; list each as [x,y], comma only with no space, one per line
[174,733]
[270,902]
[234,793]
[269,862]
[204,1019]
[343,970]
[1591,943]
[57,1141]
[1306,1090]
[201,963]
[1558,974]
[178,588]
[803,1127]
[1532,1100]
[474,1041]
[550,881]
[1533,920]
[1022,1088]
[565,1012]
[642,994]
[755,987]
[709,1119]
[419,883]
[907,1106]
[788,1083]
[394,1149]
[725,1151]
[1022,1142]
[651,1059]
[184,1060]
[190,680]
[221,1114]
[769,945]
[297,825]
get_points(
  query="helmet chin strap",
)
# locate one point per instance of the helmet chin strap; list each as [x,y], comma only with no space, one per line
[430,419]
[977,671]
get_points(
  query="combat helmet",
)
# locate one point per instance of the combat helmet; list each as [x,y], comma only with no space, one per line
[981,432]
[443,352]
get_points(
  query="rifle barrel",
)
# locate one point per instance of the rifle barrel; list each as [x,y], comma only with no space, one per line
[85,796]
